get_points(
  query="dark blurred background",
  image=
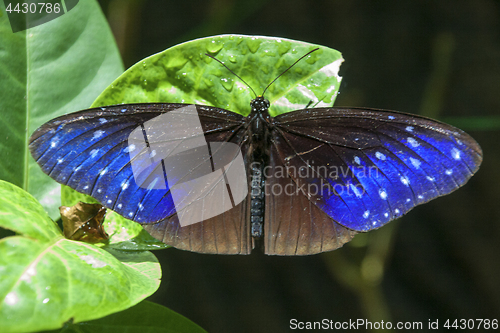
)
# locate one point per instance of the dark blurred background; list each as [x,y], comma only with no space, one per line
[439,58]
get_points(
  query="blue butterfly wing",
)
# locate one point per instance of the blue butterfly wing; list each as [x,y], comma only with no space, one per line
[89,152]
[366,167]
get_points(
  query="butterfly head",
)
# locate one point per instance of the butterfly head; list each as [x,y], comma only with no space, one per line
[259,104]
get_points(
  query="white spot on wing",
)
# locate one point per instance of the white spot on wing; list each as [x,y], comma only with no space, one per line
[409,128]
[97,134]
[153,183]
[357,160]
[431,179]
[54,142]
[391,117]
[129,148]
[102,121]
[366,214]
[94,152]
[380,156]
[382,193]
[413,142]
[405,180]
[416,163]
[455,153]
[355,190]
[449,172]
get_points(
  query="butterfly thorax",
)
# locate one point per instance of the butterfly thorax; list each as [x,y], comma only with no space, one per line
[259,116]
[258,156]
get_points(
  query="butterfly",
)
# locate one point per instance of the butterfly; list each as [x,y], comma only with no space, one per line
[313,178]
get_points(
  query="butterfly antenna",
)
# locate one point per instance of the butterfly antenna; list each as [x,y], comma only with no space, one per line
[229,69]
[286,70]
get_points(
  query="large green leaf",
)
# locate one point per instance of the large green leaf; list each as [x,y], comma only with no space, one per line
[46,280]
[145,317]
[185,74]
[55,68]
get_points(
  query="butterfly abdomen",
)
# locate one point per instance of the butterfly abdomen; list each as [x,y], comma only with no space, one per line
[258,156]
[257,197]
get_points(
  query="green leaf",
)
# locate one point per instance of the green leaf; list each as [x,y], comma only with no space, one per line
[69,197]
[19,209]
[125,234]
[145,317]
[46,71]
[184,74]
[46,280]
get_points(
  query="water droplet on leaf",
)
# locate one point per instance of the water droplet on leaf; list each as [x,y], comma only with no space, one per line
[253,45]
[214,46]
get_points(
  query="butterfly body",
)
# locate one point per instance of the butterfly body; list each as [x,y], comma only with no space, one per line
[315,177]
[258,158]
